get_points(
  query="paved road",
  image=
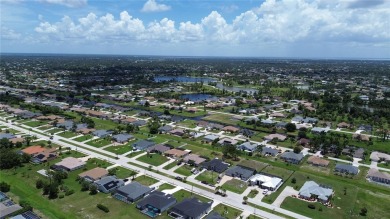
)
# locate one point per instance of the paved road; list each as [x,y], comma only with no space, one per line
[232,199]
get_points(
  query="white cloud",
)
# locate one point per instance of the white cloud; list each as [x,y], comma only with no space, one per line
[67,3]
[153,6]
[285,21]
[9,34]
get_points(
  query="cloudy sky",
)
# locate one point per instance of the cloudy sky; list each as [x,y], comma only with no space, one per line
[258,28]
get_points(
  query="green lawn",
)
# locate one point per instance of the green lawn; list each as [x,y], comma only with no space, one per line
[35,123]
[182,194]
[120,149]
[123,173]
[165,186]
[46,127]
[277,171]
[174,143]
[153,159]
[227,211]
[235,185]
[188,123]
[146,180]
[253,193]
[133,154]
[184,170]
[55,130]
[384,165]
[99,163]
[171,165]
[208,176]
[256,165]
[67,134]
[222,118]
[83,138]
[100,142]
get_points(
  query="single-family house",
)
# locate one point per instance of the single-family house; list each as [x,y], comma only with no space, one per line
[176,153]
[244,173]
[378,176]
[231,129]
[194,159]
[312,190]
[269,151]
[379,157]
[122,138]
[69,164]
[280,137]
[214,215]
[317,161]
[132,192]
[190,208]
[266,181]
[7,136]
[108,184]
[346,168]
[210,138]
[94,174]
[158,148]
[33,150]
[248,146]
[177,132]
[165,129]
[319,130]
[215,165]
[156,203]
[102,133]
[142,145]
[292,157]
[227,141]
[44,156]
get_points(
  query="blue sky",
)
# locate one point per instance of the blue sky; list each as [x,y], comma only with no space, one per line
[262,28]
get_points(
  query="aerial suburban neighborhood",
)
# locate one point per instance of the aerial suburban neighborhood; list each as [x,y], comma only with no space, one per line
[284,145]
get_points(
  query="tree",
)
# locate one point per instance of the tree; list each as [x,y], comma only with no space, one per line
[39,184]
[297,149]
[84,186]
[92,189]
[291,127]
[9,159]
[53,191]
[245,198]
[293,180]
[4,187]
[112,171]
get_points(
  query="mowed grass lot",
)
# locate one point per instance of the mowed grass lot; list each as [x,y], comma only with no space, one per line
[120,149]
[153,159]
[123,173]
[35,123]
[227,211]
[55,130]
[184,170]
[208,176]
[171,165]
[146,180]
[235,185]
[165,186]
[46,127]
[83,138]
[67,134]
[100,142]
[183,194]
[277,171]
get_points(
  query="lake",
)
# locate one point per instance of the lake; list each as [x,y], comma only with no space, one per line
[184,79]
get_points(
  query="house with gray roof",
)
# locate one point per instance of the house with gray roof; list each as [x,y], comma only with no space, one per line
[190,208]
[139,123]
[248,146]
[108,184]
[67,124]
[312,190]
[158,148]
[244,173]
[269,151]
[142,145]
[210,138]
[165,129]
[215,165]
[156,203]
[122,138]
[102,133]
[377,176]
[214,215]
[346,168]
[292,157]
[319,130]
[7,135]
[132,192]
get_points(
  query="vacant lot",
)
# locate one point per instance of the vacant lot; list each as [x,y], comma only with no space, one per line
[146,180]
[227,211]
[120,149]
[100,142]
[277,171]
[35,123]
[235,185]
[67,134]
[208,176]
[83,138]
[153,159]
[184,170]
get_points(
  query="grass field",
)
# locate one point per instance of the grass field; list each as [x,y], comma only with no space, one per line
[256,165]
[55,130]
[165,186]
[222,118]
[235,185]
[208,176]
[123,173]
[120,149]
[184,170]
[100,142]
[83,138]
[145,180]
[67,134]
[226,211]
[171,165]
[188,123]
[46,127]
[35,123]
[153,159]
[277,171]
[182,194]
[133,154]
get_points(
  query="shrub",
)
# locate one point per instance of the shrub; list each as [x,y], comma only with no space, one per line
[293,180]
[103,208]
[61,196]
[69,192]
[5,187]
[311,206]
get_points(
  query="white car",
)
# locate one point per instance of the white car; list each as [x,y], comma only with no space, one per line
[265,192]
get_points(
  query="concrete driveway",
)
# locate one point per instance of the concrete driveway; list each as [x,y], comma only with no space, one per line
[288,191]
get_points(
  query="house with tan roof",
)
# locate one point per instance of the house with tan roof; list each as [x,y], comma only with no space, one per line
[194,159]
[176,153]
[280,137]
[69,164]
[32,150]
[379,157]
[231,129]
[317,161]
[378,176]
[94,174]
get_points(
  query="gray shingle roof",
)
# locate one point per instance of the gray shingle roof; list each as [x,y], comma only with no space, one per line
[191,208]
[346,168]
[134,190]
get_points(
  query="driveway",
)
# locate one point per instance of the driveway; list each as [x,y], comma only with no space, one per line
[288,191]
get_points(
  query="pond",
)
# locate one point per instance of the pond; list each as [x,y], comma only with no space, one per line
[198,97]
[184,79]
[236,89]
